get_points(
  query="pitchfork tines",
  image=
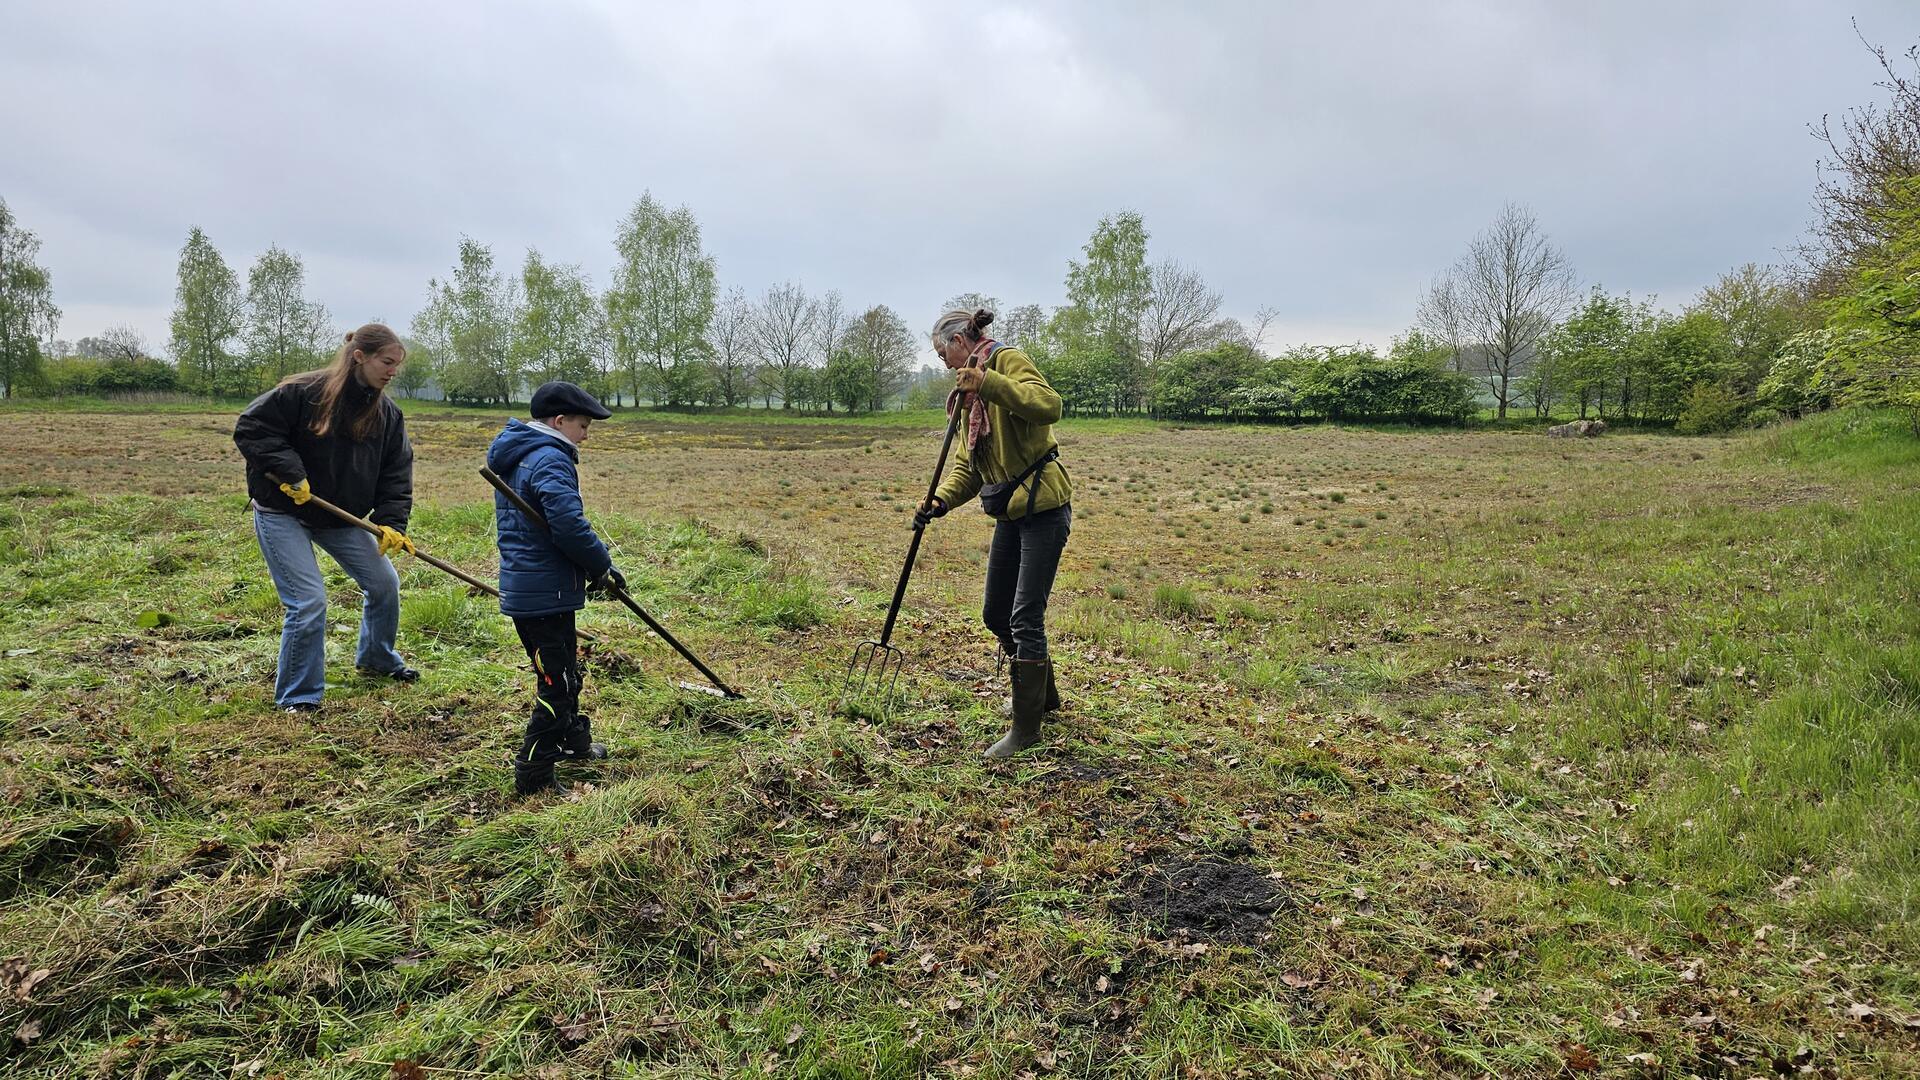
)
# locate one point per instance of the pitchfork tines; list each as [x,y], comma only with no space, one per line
[874,672]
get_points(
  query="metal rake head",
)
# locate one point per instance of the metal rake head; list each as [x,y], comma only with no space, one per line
[696,688]
[874,672]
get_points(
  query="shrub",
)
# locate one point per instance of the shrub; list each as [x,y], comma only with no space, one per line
[1711,408]
[1798,382]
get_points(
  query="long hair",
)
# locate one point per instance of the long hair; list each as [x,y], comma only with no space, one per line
[335,377]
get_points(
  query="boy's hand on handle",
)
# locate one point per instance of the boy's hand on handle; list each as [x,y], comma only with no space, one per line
[932,508]
[969,379]
[299,492]
[611,582]
[391,540]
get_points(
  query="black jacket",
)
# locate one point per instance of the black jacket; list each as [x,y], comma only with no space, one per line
[275,434]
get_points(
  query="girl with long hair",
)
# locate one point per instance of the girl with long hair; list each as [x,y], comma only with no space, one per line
[333,433]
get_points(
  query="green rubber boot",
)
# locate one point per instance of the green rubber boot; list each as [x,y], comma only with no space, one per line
[1053,690]
[1029,705]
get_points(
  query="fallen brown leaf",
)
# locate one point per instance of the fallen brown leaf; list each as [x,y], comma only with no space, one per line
[24,989]
[573,1031]
[1578,1057]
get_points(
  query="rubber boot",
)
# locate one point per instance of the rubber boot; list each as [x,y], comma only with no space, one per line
[1053,693]
[1029,702]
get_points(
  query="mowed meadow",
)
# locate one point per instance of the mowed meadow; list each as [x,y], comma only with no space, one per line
[1385,753]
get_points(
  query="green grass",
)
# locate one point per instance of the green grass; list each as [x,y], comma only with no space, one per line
[1587,753]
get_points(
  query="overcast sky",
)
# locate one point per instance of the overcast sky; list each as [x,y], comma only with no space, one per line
[1325,159]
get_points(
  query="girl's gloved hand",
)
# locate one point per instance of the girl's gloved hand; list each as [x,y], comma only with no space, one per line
[392,540]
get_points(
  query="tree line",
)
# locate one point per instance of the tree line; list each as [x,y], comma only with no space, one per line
[1507,328]
[662,331]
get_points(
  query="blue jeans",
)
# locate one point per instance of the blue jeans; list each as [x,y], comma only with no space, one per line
[288,547]
[1021,564]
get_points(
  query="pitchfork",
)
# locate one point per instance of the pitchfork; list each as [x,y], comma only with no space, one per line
[876,665]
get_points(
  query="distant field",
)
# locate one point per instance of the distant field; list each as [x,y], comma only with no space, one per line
[1385,754]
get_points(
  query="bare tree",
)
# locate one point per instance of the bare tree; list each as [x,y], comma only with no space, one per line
[730,344]
[783,327]
[1181,312]
[1258,329]
[1871,153]
[969,301]
[1511,288]
[1440,316]
[1024,327]
[119,342]
[830,322]
[1227,331]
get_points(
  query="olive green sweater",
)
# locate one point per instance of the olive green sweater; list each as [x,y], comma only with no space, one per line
[1021,410]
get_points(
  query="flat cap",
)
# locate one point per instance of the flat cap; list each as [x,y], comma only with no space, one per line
[565,399]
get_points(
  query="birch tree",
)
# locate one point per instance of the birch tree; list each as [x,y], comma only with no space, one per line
[27,313]
[661,302]
[284,333]
[208,312]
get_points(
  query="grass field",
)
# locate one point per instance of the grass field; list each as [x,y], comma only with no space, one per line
[1385,754]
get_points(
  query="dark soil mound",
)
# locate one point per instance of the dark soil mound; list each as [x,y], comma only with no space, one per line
[1219,901]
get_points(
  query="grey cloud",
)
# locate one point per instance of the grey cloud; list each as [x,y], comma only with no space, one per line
[1326,159]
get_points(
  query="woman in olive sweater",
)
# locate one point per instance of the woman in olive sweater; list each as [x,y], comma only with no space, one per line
[1008,457]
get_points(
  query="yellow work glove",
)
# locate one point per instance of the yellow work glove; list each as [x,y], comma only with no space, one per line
[392,540]
[299,492]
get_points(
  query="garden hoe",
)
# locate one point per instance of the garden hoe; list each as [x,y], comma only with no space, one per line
[438,564]
[875,666]
[534,515]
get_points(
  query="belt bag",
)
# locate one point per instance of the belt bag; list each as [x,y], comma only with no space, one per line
[995,497]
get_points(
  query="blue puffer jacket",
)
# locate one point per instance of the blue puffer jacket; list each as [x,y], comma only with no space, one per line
[542,574]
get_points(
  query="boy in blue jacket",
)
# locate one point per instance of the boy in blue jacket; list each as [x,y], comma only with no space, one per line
[545,573]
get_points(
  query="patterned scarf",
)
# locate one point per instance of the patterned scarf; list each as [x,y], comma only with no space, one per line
[975,408]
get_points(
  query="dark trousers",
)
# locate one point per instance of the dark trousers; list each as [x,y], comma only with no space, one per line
[1021,566]
[549,641]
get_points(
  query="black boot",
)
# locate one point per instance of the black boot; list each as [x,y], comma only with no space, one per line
[533,766]
[553,735]
[532,777]
[1029,701]
[579,743]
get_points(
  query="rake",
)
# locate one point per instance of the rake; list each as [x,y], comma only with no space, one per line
[876,665]
[437,564]
[719,688]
